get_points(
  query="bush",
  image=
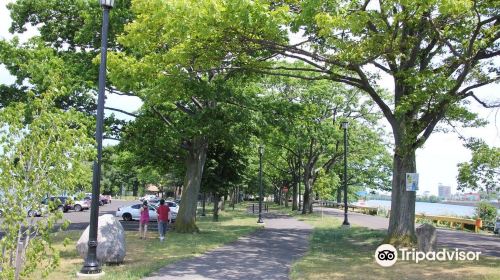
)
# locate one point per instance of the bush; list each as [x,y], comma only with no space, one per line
[487,213]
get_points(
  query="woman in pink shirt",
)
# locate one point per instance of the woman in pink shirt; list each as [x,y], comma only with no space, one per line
[144,220]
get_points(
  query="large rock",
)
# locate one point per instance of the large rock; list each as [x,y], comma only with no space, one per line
[426,238]
[110,241]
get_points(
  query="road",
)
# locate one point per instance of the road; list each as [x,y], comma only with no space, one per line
[486,244]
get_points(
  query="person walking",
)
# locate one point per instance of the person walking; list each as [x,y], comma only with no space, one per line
[144,220]
[163,213]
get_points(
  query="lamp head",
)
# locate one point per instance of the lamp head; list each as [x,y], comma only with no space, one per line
[261,149]
[345,124]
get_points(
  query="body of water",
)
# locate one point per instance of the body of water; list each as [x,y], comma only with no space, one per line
[436,209]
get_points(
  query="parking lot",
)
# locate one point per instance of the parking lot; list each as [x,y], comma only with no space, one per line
[80,220]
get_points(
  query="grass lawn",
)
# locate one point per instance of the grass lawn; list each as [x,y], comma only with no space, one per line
[337,253]
[146,256]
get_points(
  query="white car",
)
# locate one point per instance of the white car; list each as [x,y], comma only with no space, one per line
[174,209]
[149,197]
[133,212]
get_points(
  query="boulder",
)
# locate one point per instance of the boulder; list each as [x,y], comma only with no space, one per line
[426,238]
[110,241]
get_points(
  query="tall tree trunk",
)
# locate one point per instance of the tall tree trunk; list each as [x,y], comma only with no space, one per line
[339,195]
[402,218]
[306,200]
[135,188]
[195,161]
[280,196]
[299,194]
[295,197]
[217,200]
[233,197]
[286,199]
[306,204]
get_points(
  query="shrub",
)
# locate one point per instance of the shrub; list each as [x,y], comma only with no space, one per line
[487,213]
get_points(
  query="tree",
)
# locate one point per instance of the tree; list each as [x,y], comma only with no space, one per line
[194,109]
[482,172]
[304,119]
[44,151]
[224,170]
[71,30]
[436,52]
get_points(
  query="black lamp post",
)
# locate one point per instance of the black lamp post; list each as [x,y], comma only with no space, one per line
[261,151]
[92,265]
[345,125]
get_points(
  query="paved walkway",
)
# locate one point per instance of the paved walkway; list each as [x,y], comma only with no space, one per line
[486,244]
[265,254]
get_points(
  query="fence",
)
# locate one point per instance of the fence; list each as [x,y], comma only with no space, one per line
[374,211]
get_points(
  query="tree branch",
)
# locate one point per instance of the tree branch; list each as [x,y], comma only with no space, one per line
[184,109]
[374,95]
[111,138]
[164,118]
[464,92]
[197,103]
[484,104]
[113,90]
[121,111]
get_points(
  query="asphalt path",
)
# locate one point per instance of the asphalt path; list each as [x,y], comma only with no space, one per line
[486,244]
[263,255]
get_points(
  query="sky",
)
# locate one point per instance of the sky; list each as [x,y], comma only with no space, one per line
[436,161]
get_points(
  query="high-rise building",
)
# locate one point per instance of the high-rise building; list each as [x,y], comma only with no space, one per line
[444,191]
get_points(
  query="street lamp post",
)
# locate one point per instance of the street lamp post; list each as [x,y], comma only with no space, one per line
[345,124]
[261,191]
[92,265]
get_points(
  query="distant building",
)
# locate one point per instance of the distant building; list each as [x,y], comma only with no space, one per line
[444,191]
[427,194]
[470,197]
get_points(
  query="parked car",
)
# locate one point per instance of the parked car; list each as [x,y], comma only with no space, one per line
[497,226]
[61,203]
[37,211]
[32,212]
[106,199]
[174,209]
[149,197]
[80,205]
[132,212]
[89,198]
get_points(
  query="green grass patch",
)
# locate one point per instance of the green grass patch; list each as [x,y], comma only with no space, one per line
[146,256]
[338,253]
